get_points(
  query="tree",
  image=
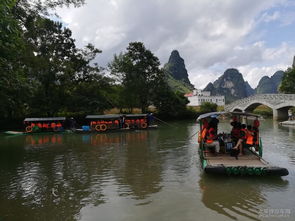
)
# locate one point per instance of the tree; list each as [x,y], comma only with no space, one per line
[12,79]
[137,70]
[63,76]
[208,107]
[288,82]
[168,102]
[15,55]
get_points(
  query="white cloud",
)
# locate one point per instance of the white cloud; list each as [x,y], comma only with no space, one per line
[267,17]
[210,35]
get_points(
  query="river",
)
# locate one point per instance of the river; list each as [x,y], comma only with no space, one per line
[139,175]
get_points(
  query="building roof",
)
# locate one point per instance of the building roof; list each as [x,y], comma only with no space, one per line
[189,94]
[135,115]
[216,114]
[107,116]
[45,119]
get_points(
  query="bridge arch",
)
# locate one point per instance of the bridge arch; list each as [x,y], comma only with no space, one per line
[252,106]
[279,103]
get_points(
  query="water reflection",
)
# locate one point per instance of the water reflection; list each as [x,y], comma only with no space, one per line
[42,140]
[64,173]
[235,197]
[135,175]
[115,138]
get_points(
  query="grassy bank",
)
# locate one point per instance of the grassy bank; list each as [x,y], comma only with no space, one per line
[264,111]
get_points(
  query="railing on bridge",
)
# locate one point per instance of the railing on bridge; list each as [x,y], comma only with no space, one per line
[271,100]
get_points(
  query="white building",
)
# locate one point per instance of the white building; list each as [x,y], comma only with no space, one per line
[197,97]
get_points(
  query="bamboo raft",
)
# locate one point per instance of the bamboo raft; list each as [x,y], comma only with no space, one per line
[250,163]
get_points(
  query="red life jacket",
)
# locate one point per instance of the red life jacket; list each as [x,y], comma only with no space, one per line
[45,125]
[210,136]
[256,123]
[58,124]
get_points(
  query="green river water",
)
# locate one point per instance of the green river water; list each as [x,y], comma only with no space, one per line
[138,175]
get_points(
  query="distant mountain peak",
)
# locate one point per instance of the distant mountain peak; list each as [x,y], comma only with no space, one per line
[231,84]
[176,68]
[269,85]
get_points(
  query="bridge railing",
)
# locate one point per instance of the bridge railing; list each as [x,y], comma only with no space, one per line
[273,99]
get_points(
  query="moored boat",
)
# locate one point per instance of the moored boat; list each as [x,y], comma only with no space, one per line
[228,161]
[116,122]
[42,125]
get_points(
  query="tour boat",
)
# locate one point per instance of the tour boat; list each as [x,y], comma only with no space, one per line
[41,125]
[116,122]
[227,161]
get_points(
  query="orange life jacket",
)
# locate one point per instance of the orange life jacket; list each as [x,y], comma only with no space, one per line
[53,125]
[203,134]
[249,137]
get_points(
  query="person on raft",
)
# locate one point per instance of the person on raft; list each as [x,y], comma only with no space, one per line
[211,140]
[241,140]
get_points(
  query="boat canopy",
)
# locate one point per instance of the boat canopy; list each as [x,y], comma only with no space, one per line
[104,117]
[45,119]
[135,115]
[216,114]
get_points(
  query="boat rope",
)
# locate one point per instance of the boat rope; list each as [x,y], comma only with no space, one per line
[190,137]
[164,122]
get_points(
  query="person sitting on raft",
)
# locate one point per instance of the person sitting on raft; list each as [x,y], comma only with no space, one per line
[241,140]
[235,132]
[211,138]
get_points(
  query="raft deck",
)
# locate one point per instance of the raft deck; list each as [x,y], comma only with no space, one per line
[248,159]
[247,164]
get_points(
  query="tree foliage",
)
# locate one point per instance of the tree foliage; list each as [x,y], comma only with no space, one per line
[208,107]
[288,82]
[137,70]
[43,73]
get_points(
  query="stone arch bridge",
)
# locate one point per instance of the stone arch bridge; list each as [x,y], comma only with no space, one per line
[279,103]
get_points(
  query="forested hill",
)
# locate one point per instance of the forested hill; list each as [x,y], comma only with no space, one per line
[177,74]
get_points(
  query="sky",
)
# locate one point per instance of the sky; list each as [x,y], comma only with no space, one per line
[255,36]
